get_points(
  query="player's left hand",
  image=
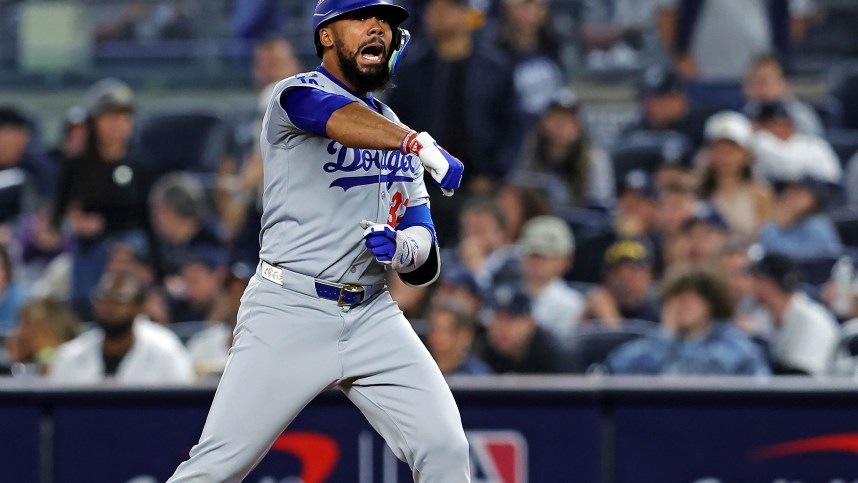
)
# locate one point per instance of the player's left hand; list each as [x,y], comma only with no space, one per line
[389,246]
[444,168]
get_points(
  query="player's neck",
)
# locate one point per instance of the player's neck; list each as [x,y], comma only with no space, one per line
[333,68]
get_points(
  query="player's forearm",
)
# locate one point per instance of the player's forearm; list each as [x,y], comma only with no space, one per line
[423,245]
[357,126]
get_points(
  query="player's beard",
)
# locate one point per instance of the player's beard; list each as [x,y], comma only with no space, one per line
[377,77]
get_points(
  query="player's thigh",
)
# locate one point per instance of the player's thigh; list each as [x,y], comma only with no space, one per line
[283,355]
[405,397]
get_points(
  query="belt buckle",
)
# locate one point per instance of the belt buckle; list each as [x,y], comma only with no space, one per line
[352,289]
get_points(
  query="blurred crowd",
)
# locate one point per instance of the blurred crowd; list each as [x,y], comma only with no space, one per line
[715,235]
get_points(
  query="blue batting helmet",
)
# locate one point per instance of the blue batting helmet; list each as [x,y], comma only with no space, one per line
[328,10]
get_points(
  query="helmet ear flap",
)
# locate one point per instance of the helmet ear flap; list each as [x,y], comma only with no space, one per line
[401,39]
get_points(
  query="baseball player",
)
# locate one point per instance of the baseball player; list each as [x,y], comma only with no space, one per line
[344,203]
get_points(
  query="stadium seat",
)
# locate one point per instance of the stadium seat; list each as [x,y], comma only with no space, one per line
[844,142]
[184,140]
[590,347]
[844,361]
[845,89]
[846,221]
[830,111]
[716,95]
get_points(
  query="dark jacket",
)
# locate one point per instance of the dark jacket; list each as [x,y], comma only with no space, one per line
[423,100]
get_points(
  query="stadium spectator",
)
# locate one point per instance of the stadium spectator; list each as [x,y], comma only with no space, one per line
[803,334]
[103,193]
[700,238]
[799,226]
[727,181]
[694,336]
[484,248]
[73,136]
[626,288]
[209,348]
[178,207]
[253,19]
[734,262]
[412,301]
[238,187]
[547,245]
[42,326]
[148,21]
[460,88]
[766,82]
[559,154]
[124,346]
[526,36]
[518,203]
[715,40]
[27,178]
[450,337]
[666,107]
[784,153]
[619,33]
[635,216]
[677,203]
[273,60]
[11,295]
[202,276]
[515,342]
[457,283]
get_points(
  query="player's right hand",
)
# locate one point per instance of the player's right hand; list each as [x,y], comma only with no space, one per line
[444,168]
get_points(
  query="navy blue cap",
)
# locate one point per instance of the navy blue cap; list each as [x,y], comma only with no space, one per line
[212,258]
[456,275]
[706,213]
[658,81]
[779,268]
[640,181]
[10,116]
[823,191]
[511,299]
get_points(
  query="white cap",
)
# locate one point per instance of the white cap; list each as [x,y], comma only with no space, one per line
[731,126]
[547,235]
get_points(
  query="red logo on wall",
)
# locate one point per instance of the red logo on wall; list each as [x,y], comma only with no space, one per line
[317,453]
[830,443]
[500,456]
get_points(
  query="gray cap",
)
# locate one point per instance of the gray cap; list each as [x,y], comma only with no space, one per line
[547,235]
[109,95]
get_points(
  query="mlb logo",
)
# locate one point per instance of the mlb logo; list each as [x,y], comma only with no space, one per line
[498,457]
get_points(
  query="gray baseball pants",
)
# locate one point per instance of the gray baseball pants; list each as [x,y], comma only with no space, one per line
[289,347]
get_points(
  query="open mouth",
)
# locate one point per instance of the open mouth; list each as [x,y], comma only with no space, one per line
[372,53]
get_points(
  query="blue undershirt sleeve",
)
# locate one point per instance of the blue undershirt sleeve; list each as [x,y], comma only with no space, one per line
[309,109]
[418,216]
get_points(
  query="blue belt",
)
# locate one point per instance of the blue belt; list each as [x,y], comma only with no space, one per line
[345,295]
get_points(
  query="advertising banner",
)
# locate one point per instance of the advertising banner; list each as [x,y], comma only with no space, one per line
[747,442]
[19,442]
[330,441]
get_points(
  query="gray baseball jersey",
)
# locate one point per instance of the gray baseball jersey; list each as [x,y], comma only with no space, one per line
[290,344]
[317,191]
